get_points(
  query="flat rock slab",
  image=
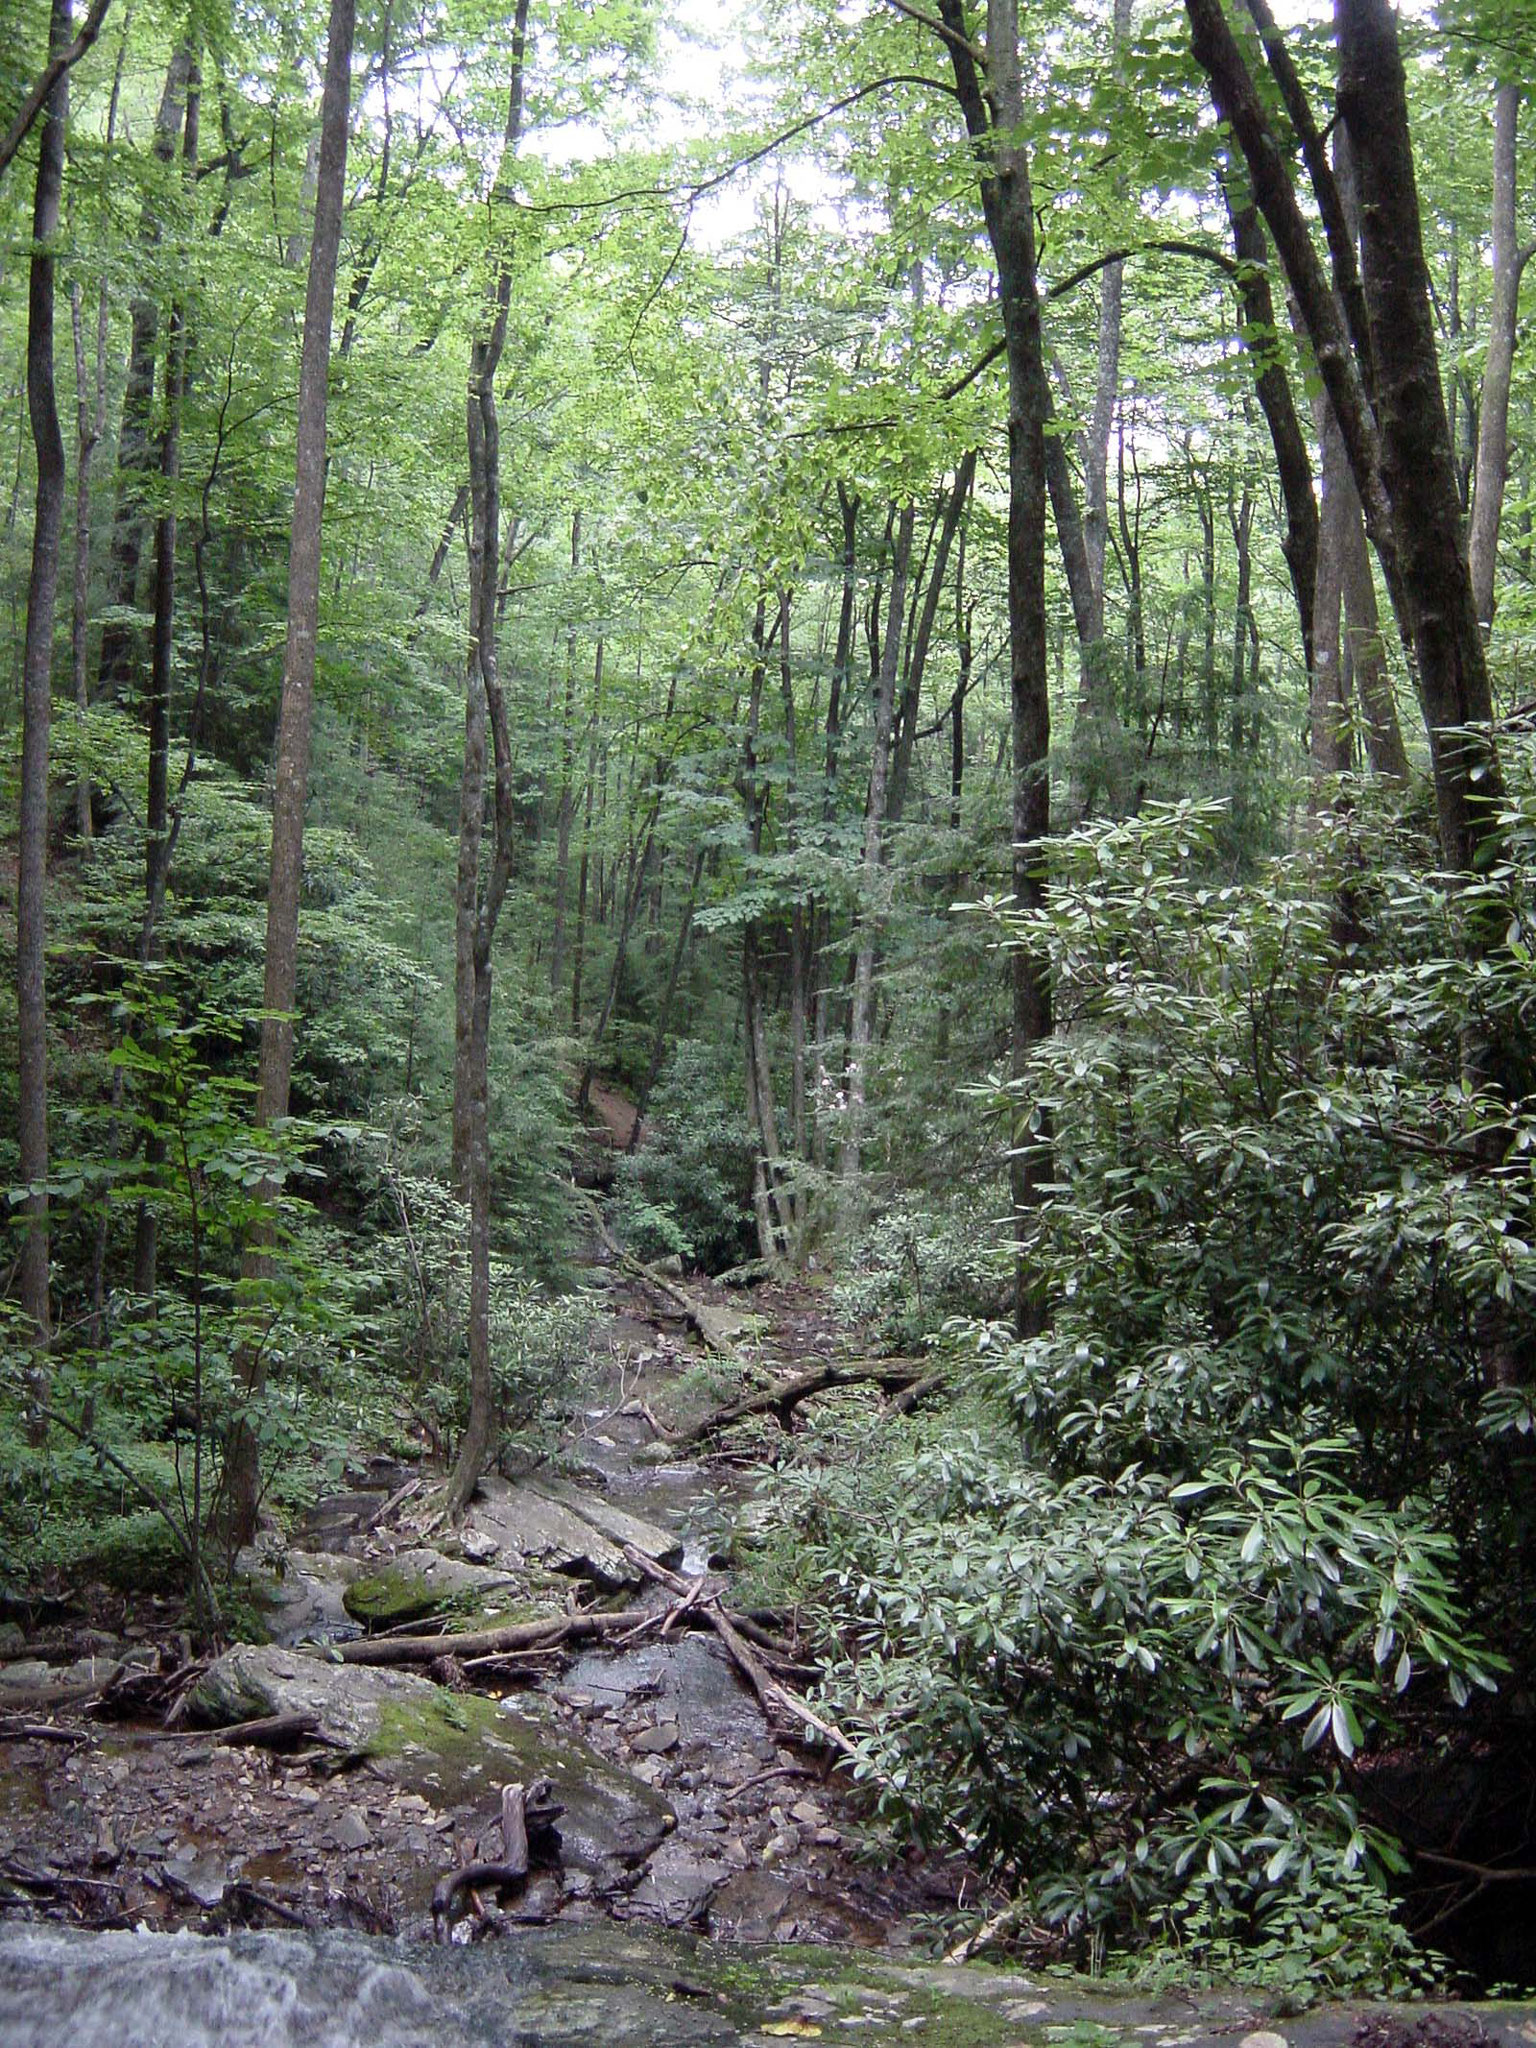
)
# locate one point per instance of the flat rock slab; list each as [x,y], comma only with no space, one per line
[256,1679]
[662,1546]
[416,1583]
[534,1527]
[302,1593]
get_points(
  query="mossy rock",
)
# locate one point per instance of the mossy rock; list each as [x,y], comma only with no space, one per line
[420,1583]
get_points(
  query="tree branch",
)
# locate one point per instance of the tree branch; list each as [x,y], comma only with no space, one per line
[48,78]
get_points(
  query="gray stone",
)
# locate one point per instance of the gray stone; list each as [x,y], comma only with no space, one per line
[352,1831]
[657,1741]
[652,1541]
[528,1524]
[256,1679]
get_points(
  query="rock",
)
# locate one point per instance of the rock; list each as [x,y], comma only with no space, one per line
[479,1546]
[301,1593]
[658,1740]
[621,1527]
[352,1831]
[808,1811]
[530,1525]
[253,1680]
[678,1884]
[13,1639]
[26,1676]
[417,1583]
[750,1906]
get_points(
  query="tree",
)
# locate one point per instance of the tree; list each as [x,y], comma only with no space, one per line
[995,120]
[485,702]
[290,791]
[36,686]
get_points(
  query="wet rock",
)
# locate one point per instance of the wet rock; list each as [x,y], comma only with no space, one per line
[657,1740]
[530,1526]
[416,1583]
[256,1679]
[13,1639]
[301,1593]
[656,1543]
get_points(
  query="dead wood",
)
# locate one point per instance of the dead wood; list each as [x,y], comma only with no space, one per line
[493,1642]
[42,1731]
[525,1810]
[267,1731]
[698,1315]
[784,1396]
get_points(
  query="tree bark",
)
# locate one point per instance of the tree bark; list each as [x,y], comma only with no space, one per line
[1416,464]
[861,1024]
[995,122]
[61,58]
[484,439]
[157,816]
[922,639]
[1509,262]
[37,698]
[134,453]
[566,806]
[290,791]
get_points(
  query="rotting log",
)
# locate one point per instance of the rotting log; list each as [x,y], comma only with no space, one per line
[898,1376]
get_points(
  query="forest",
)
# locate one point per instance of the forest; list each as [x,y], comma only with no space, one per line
[785,750]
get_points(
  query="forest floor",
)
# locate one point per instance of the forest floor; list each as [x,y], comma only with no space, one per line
[712,1815]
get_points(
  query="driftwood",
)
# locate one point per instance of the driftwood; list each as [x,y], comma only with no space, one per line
[493,1642]
[899,1376]
[525,1810]
[267,1731]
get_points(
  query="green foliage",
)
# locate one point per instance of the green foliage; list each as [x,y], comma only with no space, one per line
[1128,1618]
[919,1263]
[687,1190]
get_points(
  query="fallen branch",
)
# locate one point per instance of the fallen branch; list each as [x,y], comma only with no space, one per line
[784,1396]
[267,1731]
[987,1935]
[523,1810]
[41,1731]
[491,1642]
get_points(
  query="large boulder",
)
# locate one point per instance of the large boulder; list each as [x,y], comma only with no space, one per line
[254,1680]
[416,1583]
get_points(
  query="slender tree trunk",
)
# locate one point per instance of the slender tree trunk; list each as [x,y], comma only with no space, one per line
[157,817]
[567,794]
[668,1002]
[90,422]
[1509,262]
[1293,466]
[1328,712]
[579,947]
[921,640]
[242,1478]
[36,699]
[484,438]
[861,1023]
[134,450]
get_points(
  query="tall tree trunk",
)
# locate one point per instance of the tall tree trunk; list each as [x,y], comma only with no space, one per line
[36,699]
[1416,465]
[1272,387]
[995,120]
[242,1477]
[157,816]
[90,422]
[1328,706]
[134,451]
[1509,263]
[566,805]
[861,1023]
[583,866]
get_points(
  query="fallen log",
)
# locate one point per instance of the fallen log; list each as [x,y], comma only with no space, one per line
[524,1810]
[710,1325]
[784,1396]
[493,1642]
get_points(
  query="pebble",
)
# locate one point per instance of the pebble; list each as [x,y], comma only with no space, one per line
[658,1740]
[808,1811]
